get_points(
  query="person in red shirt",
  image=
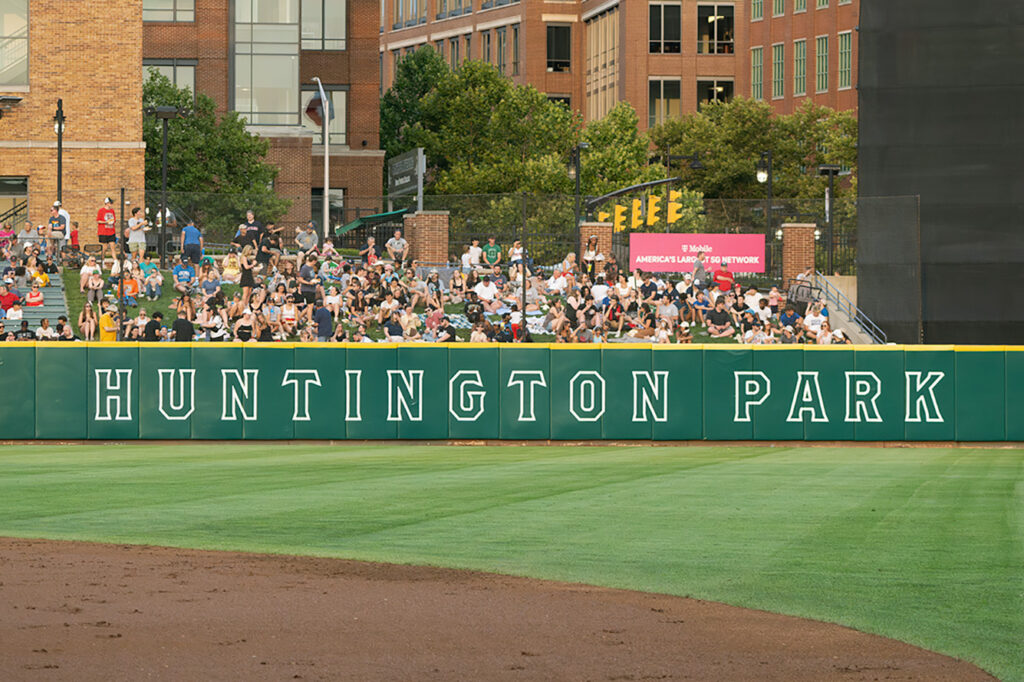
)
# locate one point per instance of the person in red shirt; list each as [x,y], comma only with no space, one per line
[105,229]
[724,278]
[7,299]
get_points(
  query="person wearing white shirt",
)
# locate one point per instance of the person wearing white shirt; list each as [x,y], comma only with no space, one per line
[488,294]
[813,321]
[600,292]
[475,252]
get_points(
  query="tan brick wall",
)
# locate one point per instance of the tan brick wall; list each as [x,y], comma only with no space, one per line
[797,249]
[103,148]
[427,234]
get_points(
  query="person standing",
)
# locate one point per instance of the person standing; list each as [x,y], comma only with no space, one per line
[192,242]
[58,228]
[105,229]
[323,320]
[182,329]
[700,272]
[137,234]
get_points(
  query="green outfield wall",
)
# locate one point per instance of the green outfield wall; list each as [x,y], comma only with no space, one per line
[470,391]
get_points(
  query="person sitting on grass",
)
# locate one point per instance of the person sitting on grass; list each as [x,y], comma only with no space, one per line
[719,321]
[184,276]
[87,322]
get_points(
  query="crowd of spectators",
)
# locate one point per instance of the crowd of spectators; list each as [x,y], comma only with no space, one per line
[304,290]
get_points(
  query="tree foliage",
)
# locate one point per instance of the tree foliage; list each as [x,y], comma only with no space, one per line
[215,167]
[730,137]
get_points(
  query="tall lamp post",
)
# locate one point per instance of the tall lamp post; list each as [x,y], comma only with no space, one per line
[576,173]
[831,170]
[59,119]
[765,175]
[325,114]
[164,114]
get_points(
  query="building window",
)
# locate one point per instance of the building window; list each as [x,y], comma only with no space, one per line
[564,100]
[455,52]
[439,47]
[396,58]
[469,46]
[602,68]
[713,91]
[380,75]
[266,89]
[778,8]
[756,9]
[335,205]
[338,96]
[715,29]
[398,14]
[485,46]
[168,10]
[515,49]
[559,48]
[845,60]
[845,2]
[778,71]
[799,68]
[663,101]
[323,24]
[181,72]
[799,6]
[756,72]
[665,27]
[442,9]
[14,42]
[501,41]
[821,64]
[822,4]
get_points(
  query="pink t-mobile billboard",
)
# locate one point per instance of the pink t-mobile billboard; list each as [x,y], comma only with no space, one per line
[677,252]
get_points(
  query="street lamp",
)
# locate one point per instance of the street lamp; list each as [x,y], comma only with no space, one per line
[831,170]
[164,114]
[694,159]
[765,173]
[59,120]
[575,172]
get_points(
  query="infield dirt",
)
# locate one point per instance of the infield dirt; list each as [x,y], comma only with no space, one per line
[80,611]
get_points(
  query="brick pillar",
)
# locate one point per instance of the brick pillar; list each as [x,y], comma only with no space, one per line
[427,234]
[797,249]
[604,233]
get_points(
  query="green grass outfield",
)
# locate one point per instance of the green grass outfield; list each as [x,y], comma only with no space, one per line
[923,545]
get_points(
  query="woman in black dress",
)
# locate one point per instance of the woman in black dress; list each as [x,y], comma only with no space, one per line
[246,281]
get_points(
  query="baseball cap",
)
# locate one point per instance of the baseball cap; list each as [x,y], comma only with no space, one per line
[56,204]
[789,327]
[108,200]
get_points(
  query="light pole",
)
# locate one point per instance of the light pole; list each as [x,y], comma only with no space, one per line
[325,115]
[765,175]
[831,170]
[58,127]
[164,114]
[576,174]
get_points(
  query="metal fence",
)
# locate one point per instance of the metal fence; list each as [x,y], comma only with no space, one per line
[545,223]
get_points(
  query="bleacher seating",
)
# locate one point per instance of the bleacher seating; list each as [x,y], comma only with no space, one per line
[55,304]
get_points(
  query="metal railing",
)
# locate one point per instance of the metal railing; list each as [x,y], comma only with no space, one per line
[838,301]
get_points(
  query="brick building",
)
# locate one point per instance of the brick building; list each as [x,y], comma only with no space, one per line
[102,148]
[665,57]
[259,58]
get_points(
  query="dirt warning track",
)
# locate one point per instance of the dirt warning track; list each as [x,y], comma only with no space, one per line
[81,611]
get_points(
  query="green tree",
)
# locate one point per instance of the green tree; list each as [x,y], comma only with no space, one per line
[215,167]
[401,107]
[730,137]
[619,154]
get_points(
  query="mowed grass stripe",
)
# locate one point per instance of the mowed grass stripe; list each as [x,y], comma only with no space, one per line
[919,544]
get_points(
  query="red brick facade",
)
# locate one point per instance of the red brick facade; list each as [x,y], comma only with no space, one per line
[635,63]
[427,234]
[356,168]
[603,231]
[798,246]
